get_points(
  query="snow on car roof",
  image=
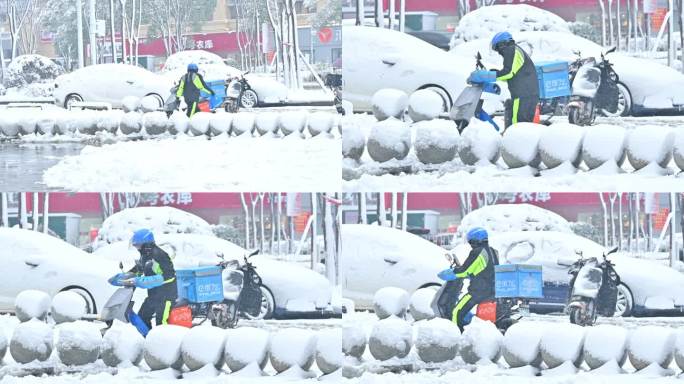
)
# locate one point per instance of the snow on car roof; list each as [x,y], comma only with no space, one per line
[513,217]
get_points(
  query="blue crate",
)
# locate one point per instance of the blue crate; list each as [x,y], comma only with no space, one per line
[219,88]
[518,280]
[554,79]
[200,285]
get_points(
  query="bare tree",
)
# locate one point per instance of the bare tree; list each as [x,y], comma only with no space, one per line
[603,21]
[18,14]
[245,207]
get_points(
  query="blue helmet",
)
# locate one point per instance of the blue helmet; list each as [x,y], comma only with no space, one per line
[477,234]
[500,39]
[142,236]
[192,67]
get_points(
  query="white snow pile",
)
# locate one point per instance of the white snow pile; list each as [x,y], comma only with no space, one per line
[604,343]
[353,339]
[3,345]
[131,123]
[561,143]
[122,344]
[30,69]
[293,122]
[31,340]
[78,343]
[130,103]
[424,104]
[160,220]
[68,306]
[651,345]
[603,143]
[420,306]
[436,141]
[179,123]
[32,304]
[521,344]
[243,123]
[155,123]
[211,65]
[520,145]
[389,102]
[320,122]
[389,139]
[267,123]
[481,340]
[246,346]
[329,350]
[679,349]
[202,346]
[390,301]
[163,347]
[292,347]
[513,218]
[220,123]
[437,340]
[390,337]
[485,22]
[650,144]
[199,123]
[480,144]
[353,139]
[562,343]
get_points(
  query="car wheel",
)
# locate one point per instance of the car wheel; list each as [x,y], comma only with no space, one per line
[249,99]
[625,301]
[624,103]
[71,99]
[267,305]
[446,99]
[160,101]
[91,307]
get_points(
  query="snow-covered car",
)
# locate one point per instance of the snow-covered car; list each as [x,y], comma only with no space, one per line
[290,291]
[33,260]
[109,83]
[646,86]
[378,58]
[646,286]
[375,257]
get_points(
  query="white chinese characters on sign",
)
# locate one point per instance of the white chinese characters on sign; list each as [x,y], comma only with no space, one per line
[529,197]
[202,44]
[157,199]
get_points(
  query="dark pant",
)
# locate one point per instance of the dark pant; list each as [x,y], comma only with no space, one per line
[158,306]
[192,106]
[521,110]
[465,305]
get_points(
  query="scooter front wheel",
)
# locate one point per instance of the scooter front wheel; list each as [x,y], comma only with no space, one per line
[576,316]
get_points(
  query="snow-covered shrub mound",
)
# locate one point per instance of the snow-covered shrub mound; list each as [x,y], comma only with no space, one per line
[131,123]
[521,344]
[320,122]
[9,123]
[424,104]
[45,125]
[389,139]
[29,69]
[437,340]
[679,349]
[31,341]
[329,350]
[64,123]
[390,301]
[243,123]
[122,344]
[150,103]
[560,143]
[267,123]
[651,345]
[245,346]
[156,123]
[163,347]
[78,343]
[220,123]
[520,145]
[109,121]
[562,343]
[292,121]
[179,123]
[199,123]
[436,141]
[68,306]
[420,306]
[650,144]
[293,347]
[480,143]
[481,340]
[513,218]
[353,139]
[604,143]
[678,145]
[85,122]
[32,304]
[3,345]
[389,102]
[391,337]
[603,343]
[202,346]
[27,125]
[160,220]
[485,22]
[130,103]
[353,340]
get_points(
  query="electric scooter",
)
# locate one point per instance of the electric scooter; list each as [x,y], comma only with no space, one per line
[469,102]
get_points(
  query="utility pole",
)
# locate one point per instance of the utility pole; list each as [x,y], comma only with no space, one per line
[93,37]
[402,15]
[79,27]
[112,29]
[671,53]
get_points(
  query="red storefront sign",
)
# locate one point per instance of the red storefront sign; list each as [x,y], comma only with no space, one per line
[224,42]
[451,6]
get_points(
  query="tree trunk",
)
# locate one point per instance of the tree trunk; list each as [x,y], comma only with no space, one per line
[603,22]
[363,219]
[404,212]
[610,21]
[3,209]
[246,211]
[382,214]
[394,209]
[23,220]
[35,210]
[314,231]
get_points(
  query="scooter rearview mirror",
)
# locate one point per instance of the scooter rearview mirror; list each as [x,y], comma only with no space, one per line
[121,266]
[615,249]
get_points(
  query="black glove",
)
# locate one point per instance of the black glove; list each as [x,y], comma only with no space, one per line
[212,92]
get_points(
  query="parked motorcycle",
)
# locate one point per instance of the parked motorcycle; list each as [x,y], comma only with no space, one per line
[334,82]
[593,288]
[469,102]
[594,88]
[239,93]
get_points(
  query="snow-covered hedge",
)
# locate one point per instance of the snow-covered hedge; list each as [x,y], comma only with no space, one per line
[68,306]
[391,337]
[156,123]
[561,143]
[199,123]
[650,144]
[436,141]
[424,104]
[520,145]
[389,139]
[389,102]
[163,347]
[203,346]
[267,123]
[604,143]
[353,140]
[31,340]
[603,343]
[122,344]
[521,344]
[32,304]
[562,343]
[651,345]
[220,123]
[320,122]
[480,144]
[420,306]
[30,69]
[78,343]
[293,347]
[437,340]
[481,340]
[245,346]
[292,122]
[353,340]
[243,123]
[329,350]
[390,301]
